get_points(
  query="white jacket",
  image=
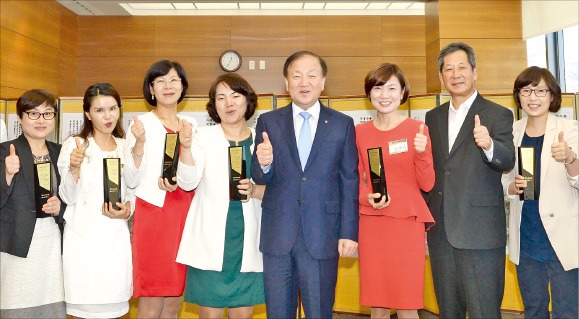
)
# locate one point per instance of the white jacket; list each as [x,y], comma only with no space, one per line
[559,203]
[147,176]
[203,240]
[85,198]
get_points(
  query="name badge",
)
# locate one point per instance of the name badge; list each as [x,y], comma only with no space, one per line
[398,146]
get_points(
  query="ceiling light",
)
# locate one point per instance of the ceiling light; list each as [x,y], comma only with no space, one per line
[399,6]
[216,5]
[184,6]
[417,6]
[151,6]
[314,5]
[281,5]
[346,5]
[249,5]
[378,5]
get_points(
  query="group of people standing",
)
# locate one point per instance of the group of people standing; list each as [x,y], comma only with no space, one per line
[307,200]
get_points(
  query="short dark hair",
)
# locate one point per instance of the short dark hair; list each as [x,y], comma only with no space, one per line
[33,98]
[453,47]
[161,68]
[381,74]
[533,75]
[297,55]
[102,89]
[237,84]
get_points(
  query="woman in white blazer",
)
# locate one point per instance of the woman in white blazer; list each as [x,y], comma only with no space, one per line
[98,279]
[220,243]
[160,206]
[543,233]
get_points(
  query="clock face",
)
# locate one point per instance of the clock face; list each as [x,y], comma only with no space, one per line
[230,61]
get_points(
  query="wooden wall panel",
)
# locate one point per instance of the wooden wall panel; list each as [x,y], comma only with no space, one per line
[467,19]
[414,69]
[35,66]
[39,20]
[346,76]
[117,36]
[67,77]
[191,36]
[344,36]
[124,73]
[433,84]
[69,33]
[268,35]
[269,80]
[403,36]
[431,25]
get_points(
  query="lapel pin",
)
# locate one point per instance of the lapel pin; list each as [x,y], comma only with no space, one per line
[326,121]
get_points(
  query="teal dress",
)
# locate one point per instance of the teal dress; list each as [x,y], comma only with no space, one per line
[229,287]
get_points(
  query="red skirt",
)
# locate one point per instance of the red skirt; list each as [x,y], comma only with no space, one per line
[391,256]
[155,239]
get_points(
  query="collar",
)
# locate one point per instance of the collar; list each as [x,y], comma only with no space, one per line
[465,106]
[314,110]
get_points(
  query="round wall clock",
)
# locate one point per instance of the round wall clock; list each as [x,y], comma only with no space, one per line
[230,61]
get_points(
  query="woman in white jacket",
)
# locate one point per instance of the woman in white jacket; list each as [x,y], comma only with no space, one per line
[543,233]
[97,246]
[220,241]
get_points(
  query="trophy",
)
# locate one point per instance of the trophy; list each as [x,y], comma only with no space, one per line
[42,186]
[377,176]
[236,172]
[171,157]
[112,180]
[527,170]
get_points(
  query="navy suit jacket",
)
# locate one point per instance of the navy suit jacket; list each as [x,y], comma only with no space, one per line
[323,198]
[467,200]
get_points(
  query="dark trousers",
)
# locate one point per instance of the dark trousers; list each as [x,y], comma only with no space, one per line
[534,279]
[315,278]
[467,280]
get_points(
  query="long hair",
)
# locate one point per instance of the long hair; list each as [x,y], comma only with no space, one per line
[99,89]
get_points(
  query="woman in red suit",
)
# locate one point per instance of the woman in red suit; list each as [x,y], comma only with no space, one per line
[391,240]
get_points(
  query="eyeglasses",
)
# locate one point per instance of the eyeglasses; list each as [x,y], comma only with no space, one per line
[538,92]
[36,115]
[172,81]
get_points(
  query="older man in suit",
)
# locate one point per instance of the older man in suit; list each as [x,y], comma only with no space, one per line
[472,144]
[306,155]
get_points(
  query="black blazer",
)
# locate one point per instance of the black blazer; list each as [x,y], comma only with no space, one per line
[467,198]
[17,204]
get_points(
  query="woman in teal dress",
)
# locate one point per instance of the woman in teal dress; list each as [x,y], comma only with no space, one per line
[220,242]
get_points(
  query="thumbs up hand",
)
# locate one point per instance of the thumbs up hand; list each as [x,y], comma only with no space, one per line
[481,135]
[561,151]
[185,134]
[264,151]
[12,162]
[138,130]
[420,140]
[76,157]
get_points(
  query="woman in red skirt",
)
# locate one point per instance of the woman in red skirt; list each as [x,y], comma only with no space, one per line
[391,240]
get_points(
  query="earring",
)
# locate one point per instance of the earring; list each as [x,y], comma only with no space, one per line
[153,96]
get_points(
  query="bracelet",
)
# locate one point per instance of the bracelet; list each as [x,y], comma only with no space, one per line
[136,156]
[571,161]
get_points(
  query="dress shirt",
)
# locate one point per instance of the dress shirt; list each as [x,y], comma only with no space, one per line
[456,119]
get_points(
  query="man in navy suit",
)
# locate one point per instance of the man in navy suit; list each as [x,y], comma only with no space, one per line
[309,163]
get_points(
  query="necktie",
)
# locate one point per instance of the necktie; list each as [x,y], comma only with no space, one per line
[305,139]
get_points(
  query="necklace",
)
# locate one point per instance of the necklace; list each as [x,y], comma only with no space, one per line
[166,122]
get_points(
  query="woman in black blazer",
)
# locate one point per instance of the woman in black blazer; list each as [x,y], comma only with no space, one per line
[31,282]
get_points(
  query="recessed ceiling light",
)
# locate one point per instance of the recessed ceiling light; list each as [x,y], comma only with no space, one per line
[184,6]
[281,5]
[151,6]
[417,6]
[346,5]
[378,5]
[249,5]
[399,5]
[216,5]
[314,5]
